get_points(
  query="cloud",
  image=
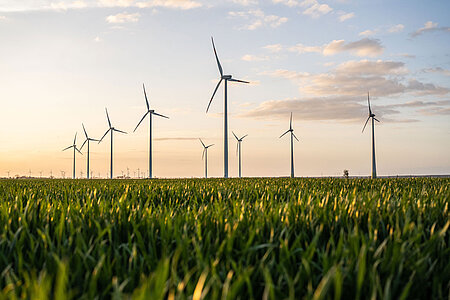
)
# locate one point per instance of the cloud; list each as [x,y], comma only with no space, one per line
[258,19]
[438,70]
[176,4]
[315,9]
[354,78]
[345,17]
[274,48]
[2,18]
[123,18]
[97,39]
[363,47]
[300,49]
[245,2]
[249,57]
[429,27]
[396,28]
[368,32]
[290,3]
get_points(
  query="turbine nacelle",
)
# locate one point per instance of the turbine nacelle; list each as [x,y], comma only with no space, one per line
[226,77]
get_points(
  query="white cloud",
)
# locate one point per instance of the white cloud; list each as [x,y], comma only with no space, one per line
[249,57]
[368,32]
[177,4]
[97,39]
[274,48]
[396,28]
[429,27]
[245,2]
[438,70]
[345,17]
[363,47]
[315,9]
[123,18]
[299,48]
[290,3]
[2,18]
[259,19]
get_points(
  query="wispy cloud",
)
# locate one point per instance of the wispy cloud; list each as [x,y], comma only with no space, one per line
[438,70]
[245,2]
[396,28]
[364,47]
[274,48]
[249,57]
[123,18]
[311,8]
[257,18]
[346,17]
[429,27]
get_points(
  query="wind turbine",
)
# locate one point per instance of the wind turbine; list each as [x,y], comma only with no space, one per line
[74,146]
[291,130]
[205,155]
[149,112]
[111,129]
[238,150]
[225,78]
[88,139]
[372,116]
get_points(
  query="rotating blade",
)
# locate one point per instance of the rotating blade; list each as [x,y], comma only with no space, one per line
[215,90]
[217,58]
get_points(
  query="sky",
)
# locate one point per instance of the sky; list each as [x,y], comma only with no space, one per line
[62,62]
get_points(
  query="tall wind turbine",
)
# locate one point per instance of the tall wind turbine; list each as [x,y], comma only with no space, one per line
[87,140]
[74,146]
[238,150]
[149,112]
[205,155]
[225,78]
[372,116]
[291,130]
[111,129]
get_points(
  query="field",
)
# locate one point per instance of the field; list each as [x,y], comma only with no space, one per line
[228,239]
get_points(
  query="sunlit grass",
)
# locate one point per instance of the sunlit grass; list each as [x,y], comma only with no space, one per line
[228,239]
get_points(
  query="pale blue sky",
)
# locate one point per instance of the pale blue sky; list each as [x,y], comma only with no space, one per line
[63,62]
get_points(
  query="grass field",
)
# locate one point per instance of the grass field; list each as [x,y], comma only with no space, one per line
[225,239]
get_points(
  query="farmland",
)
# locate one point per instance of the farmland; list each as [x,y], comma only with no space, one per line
[249,239]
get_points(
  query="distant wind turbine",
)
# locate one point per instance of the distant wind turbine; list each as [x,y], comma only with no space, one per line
[372,116]
[87,140]
[238,150]
[205,155]
[226,78]
[111,129]
[149,112]
[74,146]
[291,130]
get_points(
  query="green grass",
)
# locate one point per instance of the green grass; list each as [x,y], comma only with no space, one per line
[225,239]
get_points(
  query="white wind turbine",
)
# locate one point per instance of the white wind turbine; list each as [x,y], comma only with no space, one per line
[205,155]
[74,146]
[372,116]
[291,130]
[238,151]
[111,129]
[225,78]
[87,140]
[149,112]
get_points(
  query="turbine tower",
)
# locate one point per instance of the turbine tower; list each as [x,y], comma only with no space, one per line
[74,146]
[291,130]
[238,150]
[205,155]
[225,78]
[88,139]
[111,129]
[372,116]
[149,112]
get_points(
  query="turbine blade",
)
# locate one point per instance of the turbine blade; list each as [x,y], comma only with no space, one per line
[235,136]
[215,90]
[365,124]
[244,137]
[203,153]
[119,131]
[107,116]
[290,123]
[75,139]
[284,134]
[202,142]
[84,143]
[159,115]
[368,101]
[140,121]
[376,119]
[67,148]
[237,80]
[146,100]
[210,145]
[217,58]
[78,150]
[94,140]
[293,134]
[84,129]
[104,135]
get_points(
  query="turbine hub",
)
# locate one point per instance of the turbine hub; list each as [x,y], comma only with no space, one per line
[226,77]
